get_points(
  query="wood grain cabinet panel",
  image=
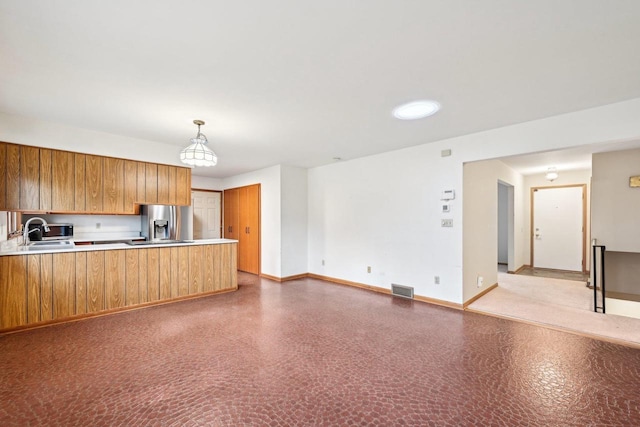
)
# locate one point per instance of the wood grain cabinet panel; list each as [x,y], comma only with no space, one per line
[46,179]
[63,181]
[33,288]
[95,281]
[165,273]
[153,274]
[130,186]
[114,261]
[151,183]
[81,282]
[13,291]
[3,176]
[207,267]
[183,270]
[195,270]
[93,184]
[143,271]
[141,183]
[46,286]
[163,185]
[113,185]
[183,187]
[80,182]
[217,265]
[64,283]
[12,177]
[175,273]
[173,185]
[29,178]
[132,271]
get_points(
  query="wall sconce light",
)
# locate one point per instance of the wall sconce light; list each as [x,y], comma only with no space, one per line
[552,174]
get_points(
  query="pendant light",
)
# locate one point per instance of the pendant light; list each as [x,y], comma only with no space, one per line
[198,154]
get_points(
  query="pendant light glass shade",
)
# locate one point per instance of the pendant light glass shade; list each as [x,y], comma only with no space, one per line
[198,154]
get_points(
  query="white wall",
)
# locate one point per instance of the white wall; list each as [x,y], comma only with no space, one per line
[480,243]
[616,205]
[293,220]
[270,215]
[205,183]
[582,176]
[383,210]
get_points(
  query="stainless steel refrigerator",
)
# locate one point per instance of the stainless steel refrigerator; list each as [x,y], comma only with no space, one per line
[167,222]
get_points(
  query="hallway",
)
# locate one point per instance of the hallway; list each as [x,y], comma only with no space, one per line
[308,352]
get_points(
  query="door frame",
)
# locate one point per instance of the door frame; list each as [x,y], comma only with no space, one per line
[584,219]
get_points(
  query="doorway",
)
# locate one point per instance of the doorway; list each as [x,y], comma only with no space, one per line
[506,246]
[207,214]
[558,216]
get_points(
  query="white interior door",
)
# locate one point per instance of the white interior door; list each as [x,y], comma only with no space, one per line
[207,214]
[558,228]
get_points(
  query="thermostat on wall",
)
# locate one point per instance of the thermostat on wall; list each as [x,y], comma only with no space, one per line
[448,195]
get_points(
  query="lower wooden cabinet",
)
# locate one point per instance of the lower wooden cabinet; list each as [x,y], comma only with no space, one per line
[36,288]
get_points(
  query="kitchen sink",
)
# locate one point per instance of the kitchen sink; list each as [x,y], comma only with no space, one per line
[46,245]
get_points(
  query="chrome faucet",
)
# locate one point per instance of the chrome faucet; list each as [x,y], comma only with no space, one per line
[26,231]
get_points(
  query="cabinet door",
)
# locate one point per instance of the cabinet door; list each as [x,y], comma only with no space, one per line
[183,187]
[93,183]
[231,219]
[130,186]
[249,247]
[80,183]
[163,185]
[12,177]
[3,176]
[151,183]
[46,179]
[62,182]
[173,185]
[141,185]
[64,284]
[13,295]
[29,178]
[113,185]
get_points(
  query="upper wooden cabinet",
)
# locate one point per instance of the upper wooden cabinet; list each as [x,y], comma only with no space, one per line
[36,179]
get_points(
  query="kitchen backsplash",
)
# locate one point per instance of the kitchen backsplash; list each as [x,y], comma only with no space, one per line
[90,227]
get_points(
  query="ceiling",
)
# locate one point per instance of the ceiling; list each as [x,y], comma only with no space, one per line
[299,82]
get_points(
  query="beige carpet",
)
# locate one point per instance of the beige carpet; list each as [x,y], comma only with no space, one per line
[562,304]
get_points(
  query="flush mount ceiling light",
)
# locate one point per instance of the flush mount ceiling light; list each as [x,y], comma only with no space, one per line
[198,154]
[552,174]
[416,110]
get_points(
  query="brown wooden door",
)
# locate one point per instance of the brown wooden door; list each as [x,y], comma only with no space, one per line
[29,178]
[12,177]
[113,187]
[93,183]
[231,218]
[249,247]
[183,184]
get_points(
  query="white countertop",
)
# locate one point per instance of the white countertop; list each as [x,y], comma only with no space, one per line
[22,250]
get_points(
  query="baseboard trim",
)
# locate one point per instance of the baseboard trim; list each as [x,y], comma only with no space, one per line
[439,302]
[349,283]
[286,278]
[522,267]
[478,296]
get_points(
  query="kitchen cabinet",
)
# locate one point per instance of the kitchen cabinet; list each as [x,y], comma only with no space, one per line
[93,184]
[62,182]
[113,185]
[242,223]
[29,178]
[151,183]
[45,288]
[36,179]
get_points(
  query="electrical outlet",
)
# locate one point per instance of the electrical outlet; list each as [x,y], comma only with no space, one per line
[98,225]
[436,280]
[369,269]
[480,281]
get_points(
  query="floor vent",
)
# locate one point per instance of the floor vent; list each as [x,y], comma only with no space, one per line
[402,291]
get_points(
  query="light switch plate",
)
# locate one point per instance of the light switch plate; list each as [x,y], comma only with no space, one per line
[447,222]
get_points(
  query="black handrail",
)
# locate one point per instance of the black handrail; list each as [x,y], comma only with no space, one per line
[594,261]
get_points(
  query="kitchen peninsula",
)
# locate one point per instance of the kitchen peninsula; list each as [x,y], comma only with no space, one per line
[51,286]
